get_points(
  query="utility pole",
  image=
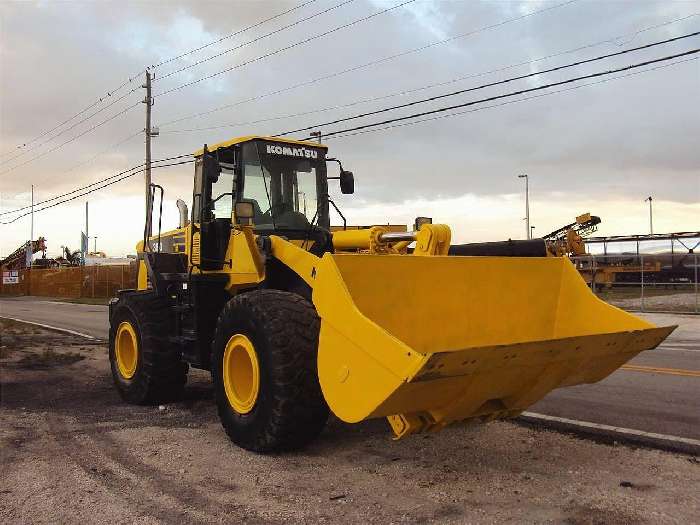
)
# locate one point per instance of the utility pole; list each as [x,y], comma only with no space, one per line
[528,232]
[87,233]
[95,237]
[316,134]
[30,246]
[149,104]
[31,231]
[651,222]
[532,232]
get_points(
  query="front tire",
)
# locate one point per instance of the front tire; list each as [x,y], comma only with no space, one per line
[264,367]
[146,368]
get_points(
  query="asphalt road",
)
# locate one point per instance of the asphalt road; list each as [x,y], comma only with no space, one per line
[87,319]
[658,391]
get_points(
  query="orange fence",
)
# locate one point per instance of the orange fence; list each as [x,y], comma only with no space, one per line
[73,282]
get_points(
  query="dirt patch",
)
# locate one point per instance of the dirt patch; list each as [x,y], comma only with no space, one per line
[587,515]
[72,452]
[27,346]
[48,358]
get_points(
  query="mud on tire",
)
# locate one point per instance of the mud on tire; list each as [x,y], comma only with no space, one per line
[290,410]
[160,374]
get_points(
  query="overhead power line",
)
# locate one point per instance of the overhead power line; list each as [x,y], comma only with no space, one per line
[108,181]
[231,35]
[508,102]
[110,93]
[97,155]
[492,84]
[56,197]
[257,39]
[76,137]
[76,124]
[287,48]
[371,63]
[630,36]
[126,139]
[511,94]
[114,179]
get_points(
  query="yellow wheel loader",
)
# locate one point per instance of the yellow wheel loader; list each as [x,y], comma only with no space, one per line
[295,321]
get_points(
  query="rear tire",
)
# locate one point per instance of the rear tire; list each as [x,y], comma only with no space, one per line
[282,407]
[153,372]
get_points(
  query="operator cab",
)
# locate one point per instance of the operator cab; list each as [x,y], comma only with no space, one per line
[278,186]
[285,182]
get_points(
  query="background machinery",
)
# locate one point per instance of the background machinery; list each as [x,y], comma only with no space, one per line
[568,240]
[20,258]
[660,258]
[295,321]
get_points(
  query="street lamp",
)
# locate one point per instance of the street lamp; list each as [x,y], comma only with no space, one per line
[528,232]
[651,223]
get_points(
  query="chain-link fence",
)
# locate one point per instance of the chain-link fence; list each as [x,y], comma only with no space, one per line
[644,282]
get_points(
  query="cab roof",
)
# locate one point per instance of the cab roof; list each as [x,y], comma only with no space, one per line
[248,138]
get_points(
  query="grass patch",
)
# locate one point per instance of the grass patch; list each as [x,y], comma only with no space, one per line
[84,300]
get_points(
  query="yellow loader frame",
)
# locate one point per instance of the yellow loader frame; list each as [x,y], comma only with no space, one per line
[425,338]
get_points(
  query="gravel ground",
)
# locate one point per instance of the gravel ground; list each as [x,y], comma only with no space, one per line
[73,453]
[672,302]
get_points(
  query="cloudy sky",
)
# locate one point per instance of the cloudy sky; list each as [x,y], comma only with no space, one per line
[600,147]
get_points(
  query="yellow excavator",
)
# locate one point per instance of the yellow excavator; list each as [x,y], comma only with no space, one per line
[295,321]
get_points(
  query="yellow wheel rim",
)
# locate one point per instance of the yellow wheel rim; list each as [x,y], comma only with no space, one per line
[126,350]
[241,373]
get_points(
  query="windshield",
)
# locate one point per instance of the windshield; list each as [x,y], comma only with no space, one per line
[284,182]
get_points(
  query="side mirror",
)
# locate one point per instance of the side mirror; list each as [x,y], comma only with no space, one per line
[244,212]
[347,182]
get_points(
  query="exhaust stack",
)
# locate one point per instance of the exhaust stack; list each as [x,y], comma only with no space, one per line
[182,208]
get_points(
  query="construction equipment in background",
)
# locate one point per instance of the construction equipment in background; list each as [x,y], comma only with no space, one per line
[627,264]
[606,271]
[18,260]
[292,325]
[569,240]
[70,257]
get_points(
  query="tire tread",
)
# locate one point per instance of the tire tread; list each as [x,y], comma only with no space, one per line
[290,326]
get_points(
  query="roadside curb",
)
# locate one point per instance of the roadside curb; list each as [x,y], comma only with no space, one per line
[623,435]
[54,328]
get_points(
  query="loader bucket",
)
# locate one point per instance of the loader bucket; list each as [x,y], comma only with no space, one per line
[426,341]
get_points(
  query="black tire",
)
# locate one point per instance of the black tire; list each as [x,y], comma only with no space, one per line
[160,374]
[290,410]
